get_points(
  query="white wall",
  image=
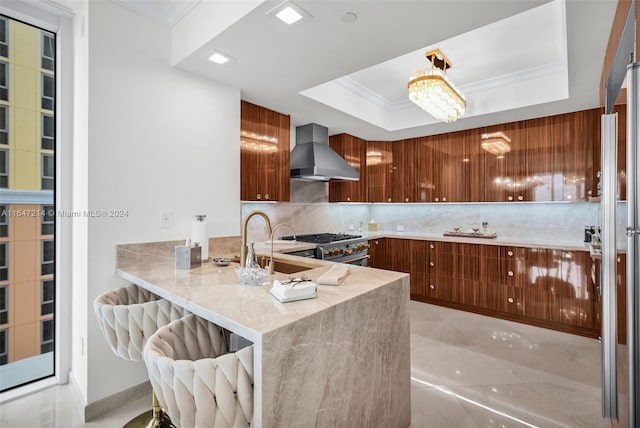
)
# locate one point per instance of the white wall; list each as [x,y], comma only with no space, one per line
[156,138]
[207,20]
[79,244]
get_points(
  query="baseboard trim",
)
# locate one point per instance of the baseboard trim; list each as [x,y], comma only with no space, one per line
[31,388]
[117,400]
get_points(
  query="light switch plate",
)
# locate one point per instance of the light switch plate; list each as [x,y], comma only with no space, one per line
[400,228]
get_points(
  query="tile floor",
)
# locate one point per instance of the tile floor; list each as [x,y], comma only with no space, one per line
[468,371]
[474,371]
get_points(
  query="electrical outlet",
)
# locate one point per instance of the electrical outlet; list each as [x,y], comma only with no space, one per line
[166,219]
[400,228]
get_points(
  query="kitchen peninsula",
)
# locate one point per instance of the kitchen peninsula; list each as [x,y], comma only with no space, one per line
[340,360]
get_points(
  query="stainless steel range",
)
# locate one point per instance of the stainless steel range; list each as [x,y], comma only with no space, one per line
[337,247]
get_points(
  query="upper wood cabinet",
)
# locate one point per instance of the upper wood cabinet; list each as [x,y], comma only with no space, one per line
[379,161]
[354,151]
[264,154]
[391,171]
[549,159]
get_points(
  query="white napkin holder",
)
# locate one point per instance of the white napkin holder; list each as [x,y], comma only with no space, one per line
[293,291]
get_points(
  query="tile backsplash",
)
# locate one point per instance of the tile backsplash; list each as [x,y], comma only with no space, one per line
[309,212]
[554,222]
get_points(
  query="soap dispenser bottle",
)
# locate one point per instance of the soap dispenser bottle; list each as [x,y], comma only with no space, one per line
[251,260]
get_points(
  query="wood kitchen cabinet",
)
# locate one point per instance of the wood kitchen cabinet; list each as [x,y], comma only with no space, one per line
[354,151]
[401,255]
[403,176]
[391,171]
[444,166]
[581,137]
[546,287]
[264,154]
[550,159]
[424,181]
[377,253]
[553,158]
[507,174]
[450,168]
[509,180]
[379,161]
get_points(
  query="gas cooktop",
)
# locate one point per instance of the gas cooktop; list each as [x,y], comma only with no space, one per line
[322,238]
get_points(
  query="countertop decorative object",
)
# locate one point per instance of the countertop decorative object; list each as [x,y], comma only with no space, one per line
[221,261]
[343,375]
[491,235]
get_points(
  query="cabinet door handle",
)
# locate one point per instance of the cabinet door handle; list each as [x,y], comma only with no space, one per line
[431,286]
[444,199]
[388,199]
[432,264]
[266,196]
[406,199]
[259,196]
[348,199]
[510,273]
[520,197]
[437,199]
[433,246]
[568,255]
[510,253]
[510,300]
[510,198]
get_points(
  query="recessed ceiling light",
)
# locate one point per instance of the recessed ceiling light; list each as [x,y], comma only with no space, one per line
[219,58]
[289,13]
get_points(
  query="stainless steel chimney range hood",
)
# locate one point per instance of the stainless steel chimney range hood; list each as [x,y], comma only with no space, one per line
[313,160]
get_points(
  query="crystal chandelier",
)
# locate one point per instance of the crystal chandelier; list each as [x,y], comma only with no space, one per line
[432,90]
[496,143]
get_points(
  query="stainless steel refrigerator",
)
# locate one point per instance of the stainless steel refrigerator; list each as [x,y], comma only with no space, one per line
[620,240]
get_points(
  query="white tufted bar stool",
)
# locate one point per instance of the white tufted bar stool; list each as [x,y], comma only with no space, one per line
[196,381]
[127,317]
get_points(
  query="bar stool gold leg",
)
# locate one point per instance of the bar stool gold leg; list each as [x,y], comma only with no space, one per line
[156,418]
[160,417]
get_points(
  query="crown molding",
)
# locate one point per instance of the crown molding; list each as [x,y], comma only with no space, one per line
[168,14]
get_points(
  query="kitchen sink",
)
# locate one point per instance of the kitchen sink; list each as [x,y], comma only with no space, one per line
[285,266]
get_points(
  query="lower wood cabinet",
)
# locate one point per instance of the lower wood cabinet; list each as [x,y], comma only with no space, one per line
[547,287]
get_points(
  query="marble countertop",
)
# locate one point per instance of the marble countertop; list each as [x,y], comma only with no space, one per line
[289,246]
[508,241]
[280,246]
[215,293]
